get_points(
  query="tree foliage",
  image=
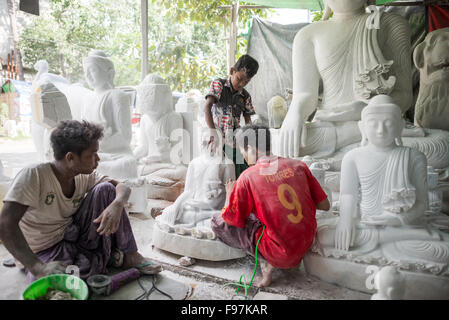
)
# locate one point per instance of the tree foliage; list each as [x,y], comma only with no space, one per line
[186,39]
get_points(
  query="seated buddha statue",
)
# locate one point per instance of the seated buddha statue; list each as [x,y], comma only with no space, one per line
[383,198]
[110,107]
[204,193]
[159,149]
[357,55]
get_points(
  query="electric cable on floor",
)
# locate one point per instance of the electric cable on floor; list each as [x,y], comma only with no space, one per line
[244,285]
[146,294]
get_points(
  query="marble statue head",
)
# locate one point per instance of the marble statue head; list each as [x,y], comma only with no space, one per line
[210,148]
[344,6]
[431,56]
[390,283]
[381,122]
[99,70]
[154,96]
[41,66]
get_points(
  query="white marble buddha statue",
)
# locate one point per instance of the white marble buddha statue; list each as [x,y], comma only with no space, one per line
[383,198]
[204,193]
[159,149]
[110,107]
[357,55]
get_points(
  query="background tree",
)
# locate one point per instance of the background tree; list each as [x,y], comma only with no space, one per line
[186,39]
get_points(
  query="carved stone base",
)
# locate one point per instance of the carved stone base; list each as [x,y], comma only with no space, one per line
[205,249]
[360,277]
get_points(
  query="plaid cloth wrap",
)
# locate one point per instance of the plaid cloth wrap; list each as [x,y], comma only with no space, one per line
[229,105]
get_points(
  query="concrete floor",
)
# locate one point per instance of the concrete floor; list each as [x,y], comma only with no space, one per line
[205,280]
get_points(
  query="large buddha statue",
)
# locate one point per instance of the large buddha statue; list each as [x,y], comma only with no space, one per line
[160,145]
[110,107]
[184,227]
[383,203]
[357,55]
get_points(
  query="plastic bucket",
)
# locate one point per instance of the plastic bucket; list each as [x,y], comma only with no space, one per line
[63,282]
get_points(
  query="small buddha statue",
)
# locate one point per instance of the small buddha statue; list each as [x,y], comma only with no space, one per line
[204,193]
[383,198]
[159,149]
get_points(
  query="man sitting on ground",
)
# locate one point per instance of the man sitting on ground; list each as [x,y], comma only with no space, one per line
[63,213]
[277,193]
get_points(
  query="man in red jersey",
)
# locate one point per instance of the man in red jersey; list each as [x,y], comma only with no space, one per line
[278,193]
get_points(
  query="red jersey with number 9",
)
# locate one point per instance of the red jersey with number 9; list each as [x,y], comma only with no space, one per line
[282,193]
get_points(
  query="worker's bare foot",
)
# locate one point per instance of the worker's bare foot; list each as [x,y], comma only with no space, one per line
[135,259]
[267,270]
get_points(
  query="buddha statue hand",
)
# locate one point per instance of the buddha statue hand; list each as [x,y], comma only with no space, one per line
[151,159]
[345,233]
[163,144]
[293,135]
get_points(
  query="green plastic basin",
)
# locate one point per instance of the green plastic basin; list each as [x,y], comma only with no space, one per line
[63,282]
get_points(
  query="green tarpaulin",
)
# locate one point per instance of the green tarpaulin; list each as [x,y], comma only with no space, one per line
[301,4]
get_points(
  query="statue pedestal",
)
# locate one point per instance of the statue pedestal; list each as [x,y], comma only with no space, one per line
[360,277]
[212,250]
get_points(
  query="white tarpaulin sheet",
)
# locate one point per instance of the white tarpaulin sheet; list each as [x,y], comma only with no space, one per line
[271,45]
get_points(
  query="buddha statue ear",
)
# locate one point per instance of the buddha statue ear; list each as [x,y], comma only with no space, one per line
[327,11]
[398,139]
[364,141]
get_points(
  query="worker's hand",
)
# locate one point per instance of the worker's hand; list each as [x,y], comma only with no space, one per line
[229,186]
[109,219]
[44,269]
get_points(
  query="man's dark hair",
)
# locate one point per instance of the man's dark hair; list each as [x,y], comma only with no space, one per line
[74,136]
[248,64]
[254,135]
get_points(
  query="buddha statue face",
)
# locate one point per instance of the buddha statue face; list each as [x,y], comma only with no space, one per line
[208,148]
[99,70]
[382,122]
[154,97]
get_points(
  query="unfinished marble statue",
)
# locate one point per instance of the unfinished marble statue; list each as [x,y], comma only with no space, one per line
[110,107]
[431,57]
[190,102]
[357,55]
[390,284]
[383,200]
[277,110]
[48,106]
[184,227]
[159,150]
